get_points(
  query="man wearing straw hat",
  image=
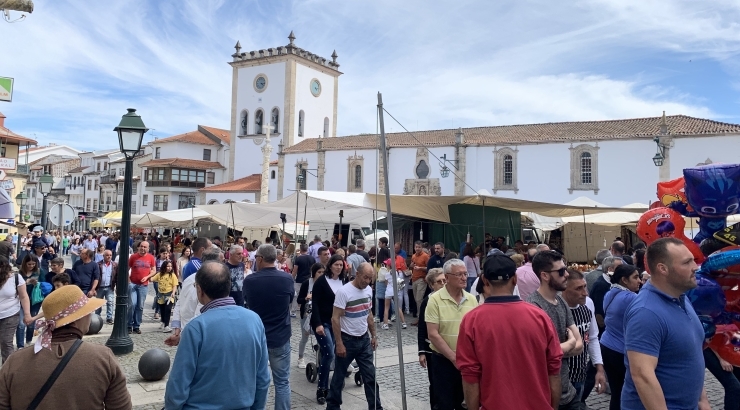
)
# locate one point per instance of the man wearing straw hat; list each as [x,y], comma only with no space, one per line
[91,377]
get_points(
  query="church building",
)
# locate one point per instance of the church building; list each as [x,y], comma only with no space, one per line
[284,120]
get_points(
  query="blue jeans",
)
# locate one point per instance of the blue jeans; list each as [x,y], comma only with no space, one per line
[579,389]
[27,330]
[280,366]
[108,294]
[380,301]
[470,283]
[326,344]
[136,298]
[358,349]
[728,380]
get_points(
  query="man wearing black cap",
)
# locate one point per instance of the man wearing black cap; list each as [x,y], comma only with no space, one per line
[42,251]
[507,350]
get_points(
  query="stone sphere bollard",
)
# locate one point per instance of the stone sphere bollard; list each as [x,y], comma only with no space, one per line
[154,364]
[96,324]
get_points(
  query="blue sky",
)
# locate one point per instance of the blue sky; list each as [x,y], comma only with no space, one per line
[439,64]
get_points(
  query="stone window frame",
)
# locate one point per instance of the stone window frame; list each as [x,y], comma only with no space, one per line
[352,162]
[499,158]
[576,173]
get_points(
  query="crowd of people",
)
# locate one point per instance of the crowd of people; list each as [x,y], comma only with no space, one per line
[498,327]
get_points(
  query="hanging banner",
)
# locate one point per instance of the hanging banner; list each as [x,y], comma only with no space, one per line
[6,89]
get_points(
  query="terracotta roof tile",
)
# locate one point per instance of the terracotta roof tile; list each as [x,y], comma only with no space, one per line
[250,183]
[181,163]
[275,162]
[530,133]
[8,135]
[78,169]
[199,136]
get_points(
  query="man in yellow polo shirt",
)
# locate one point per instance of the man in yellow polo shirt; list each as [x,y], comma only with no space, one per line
[443,315]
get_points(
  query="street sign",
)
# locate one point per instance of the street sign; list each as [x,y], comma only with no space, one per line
[7,184]
[7,163]
[66,212]
[6,89]
[2,174]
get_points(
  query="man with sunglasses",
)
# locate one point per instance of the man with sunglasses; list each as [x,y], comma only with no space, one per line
[550,268]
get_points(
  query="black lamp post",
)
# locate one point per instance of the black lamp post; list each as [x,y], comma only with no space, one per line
[130,134]
[20,199]
[46,182]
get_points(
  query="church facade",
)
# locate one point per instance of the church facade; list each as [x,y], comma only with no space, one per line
[292,94]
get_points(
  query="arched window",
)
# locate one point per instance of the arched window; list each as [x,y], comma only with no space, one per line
[301,120]
[584,168]
[272,174]
[258,121]
[243,125]
[358,176]
[274,120]
[212,202]
[586,176]
[508,170]
[229,201]
[326,127]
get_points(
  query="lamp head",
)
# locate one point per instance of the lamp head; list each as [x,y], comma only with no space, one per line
[46,182]
[130,131]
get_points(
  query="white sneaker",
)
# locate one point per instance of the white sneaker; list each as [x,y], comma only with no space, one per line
[403,325]
[161,325]
[393,318]
[167,329]
[350,369]
[384,326]
[301,363]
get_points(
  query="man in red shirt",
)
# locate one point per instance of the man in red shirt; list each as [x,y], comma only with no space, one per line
[142,264]
[507,350]
[419,262]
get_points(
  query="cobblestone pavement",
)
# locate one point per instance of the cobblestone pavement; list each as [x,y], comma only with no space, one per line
[150,395]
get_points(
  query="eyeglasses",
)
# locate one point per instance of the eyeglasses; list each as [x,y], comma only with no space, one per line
[441,282]
[560,271]
[459,275]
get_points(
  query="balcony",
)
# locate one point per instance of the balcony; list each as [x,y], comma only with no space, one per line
[108,177]
[183,184]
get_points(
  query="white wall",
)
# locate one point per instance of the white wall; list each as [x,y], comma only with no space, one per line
[190,151]
[222,197]
[335,178]
[315,108]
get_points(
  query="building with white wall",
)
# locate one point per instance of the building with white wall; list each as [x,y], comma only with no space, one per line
[181,165]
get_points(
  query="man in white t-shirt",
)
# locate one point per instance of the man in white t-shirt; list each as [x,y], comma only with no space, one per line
[351,319]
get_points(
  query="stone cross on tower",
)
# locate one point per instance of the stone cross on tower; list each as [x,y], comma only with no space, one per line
[266,151]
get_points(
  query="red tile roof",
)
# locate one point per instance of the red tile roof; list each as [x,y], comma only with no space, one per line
[530,133]
[181,163]
[78,169]
[246,184]
[203,135]
[275,162]
[7,135]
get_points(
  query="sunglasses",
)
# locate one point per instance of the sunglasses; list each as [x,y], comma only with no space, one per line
[560,271]
[440,282]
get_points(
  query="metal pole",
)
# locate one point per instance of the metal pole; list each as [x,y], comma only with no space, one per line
[585,233]
[389,218]
[43,213]
[295,231]
[61,220]
[120,342]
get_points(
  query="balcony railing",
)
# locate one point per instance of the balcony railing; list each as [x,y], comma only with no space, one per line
[185,184]
[108,179]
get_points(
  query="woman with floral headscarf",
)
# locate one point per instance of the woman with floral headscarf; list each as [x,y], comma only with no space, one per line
[92,377]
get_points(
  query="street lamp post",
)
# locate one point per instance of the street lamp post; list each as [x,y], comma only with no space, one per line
[20,199]
[130,134]
[46,182]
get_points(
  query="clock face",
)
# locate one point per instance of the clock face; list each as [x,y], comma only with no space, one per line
[260,83]
[315,87]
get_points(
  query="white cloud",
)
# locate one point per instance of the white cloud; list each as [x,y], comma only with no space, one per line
[78,65]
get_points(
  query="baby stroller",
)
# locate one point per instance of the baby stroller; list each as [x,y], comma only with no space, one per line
[312,368]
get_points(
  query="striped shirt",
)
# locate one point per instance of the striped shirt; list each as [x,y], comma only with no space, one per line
[356,304]
[579,364]
[444,311]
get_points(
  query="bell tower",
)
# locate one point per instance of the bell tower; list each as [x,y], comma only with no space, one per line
[288,88]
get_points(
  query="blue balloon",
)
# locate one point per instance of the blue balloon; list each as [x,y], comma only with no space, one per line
[707,298]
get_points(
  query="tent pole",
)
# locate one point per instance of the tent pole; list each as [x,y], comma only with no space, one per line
[389,216]
[483,251]
[305,210]
[585,233]
[233,222]
[295,231]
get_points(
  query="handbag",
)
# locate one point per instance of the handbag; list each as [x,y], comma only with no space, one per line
[54,375]
[36,296]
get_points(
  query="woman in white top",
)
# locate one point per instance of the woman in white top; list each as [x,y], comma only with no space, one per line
[13,297]
[183,260]
[472,264]
[74,250]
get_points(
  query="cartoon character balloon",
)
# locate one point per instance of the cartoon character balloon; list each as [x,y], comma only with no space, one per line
[662,223]
[713,191]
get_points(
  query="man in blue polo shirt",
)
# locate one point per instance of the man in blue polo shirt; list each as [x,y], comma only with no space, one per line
[663,335]
[200,245]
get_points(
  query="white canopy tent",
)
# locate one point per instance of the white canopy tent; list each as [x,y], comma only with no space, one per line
[180,218]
